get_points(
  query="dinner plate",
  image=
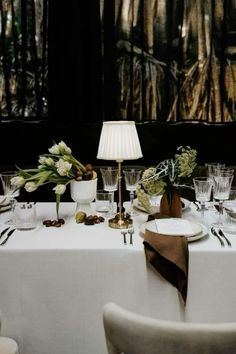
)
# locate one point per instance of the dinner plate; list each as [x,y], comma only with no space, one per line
[155,203]
[198,230]
[4,201]
[230,208]
[5,208]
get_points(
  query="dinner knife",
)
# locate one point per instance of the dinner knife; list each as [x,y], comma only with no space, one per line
[8,235]
[221,233]
[4,231]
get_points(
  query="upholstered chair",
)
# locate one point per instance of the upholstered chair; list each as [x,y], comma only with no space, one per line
[8,345]
[131,333]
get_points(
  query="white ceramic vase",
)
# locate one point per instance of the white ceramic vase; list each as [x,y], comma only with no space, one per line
[83,192]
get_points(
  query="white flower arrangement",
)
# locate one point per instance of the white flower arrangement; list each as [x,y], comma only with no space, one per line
[59,167]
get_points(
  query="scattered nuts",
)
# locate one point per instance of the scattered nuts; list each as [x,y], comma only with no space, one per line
[93,219]
[56,223]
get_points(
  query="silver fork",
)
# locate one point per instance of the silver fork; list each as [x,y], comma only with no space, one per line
[131,232]
[124,232]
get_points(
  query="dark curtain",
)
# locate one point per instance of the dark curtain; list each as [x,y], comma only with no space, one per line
[176,60]
[75,61]
[23,59]
[142,60]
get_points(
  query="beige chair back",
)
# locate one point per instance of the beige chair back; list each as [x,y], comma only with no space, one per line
[131,333]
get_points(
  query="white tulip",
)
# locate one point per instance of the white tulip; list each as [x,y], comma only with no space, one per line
[18,181]
[63,167]
[59,189]
[64,149]
[49,162]
[42,160]
[54,150]
[30,186]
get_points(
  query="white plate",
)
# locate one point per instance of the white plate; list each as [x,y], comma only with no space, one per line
[156,204]
[4,200]
[199,230]
[5,208]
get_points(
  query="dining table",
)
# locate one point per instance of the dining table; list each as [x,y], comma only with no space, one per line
[54,281]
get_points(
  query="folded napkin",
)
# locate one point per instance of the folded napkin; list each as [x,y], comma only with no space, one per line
[169,256]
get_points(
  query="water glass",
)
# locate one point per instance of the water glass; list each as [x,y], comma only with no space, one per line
[109,178]
[103,201]
[203,188]
[212,167]
[110,182]
[230,208]
[24,215]
[132,177]
[9,190]
[222,187]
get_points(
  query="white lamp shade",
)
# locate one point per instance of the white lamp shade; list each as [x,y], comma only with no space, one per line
[119,141]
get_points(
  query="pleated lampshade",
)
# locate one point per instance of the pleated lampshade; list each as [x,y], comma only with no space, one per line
[119,141]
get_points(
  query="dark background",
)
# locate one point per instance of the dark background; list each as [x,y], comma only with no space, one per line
[78,104]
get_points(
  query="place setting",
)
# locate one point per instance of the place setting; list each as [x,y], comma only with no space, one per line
[155,204]
[5,204]
[175,227]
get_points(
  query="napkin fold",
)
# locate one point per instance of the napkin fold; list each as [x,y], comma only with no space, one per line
[169,256]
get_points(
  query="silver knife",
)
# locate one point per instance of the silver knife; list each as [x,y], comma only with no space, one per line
[4,231]
[8,235]
[221,233]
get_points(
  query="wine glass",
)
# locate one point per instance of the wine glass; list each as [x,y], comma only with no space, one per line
[9,190]
[132,177]
[203,188]
[110,183]
[212,170]
[222,186]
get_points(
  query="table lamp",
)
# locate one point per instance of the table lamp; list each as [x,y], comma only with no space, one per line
[119,141]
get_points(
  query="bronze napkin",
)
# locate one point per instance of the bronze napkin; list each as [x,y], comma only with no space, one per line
[169,256]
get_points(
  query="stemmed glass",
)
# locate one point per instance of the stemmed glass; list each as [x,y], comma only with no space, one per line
[9,190]
[110,183]
[132,177]
[203,188]
[222,186]
[213,169]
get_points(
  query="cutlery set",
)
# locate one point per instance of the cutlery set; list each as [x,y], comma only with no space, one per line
[130,232]
[9,233]
[221,236]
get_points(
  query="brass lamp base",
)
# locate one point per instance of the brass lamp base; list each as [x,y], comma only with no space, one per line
[120,223]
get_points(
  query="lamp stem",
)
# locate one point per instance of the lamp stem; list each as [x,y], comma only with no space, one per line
[119,190]
[119,221]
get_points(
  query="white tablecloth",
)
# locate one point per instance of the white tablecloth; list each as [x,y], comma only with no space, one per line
[55,281]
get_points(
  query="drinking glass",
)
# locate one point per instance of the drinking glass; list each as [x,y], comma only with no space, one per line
[203,188]
[212,167]
[9,190]
[110,183]
[213,170]
[230,208]
[222,186]
[132,177]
